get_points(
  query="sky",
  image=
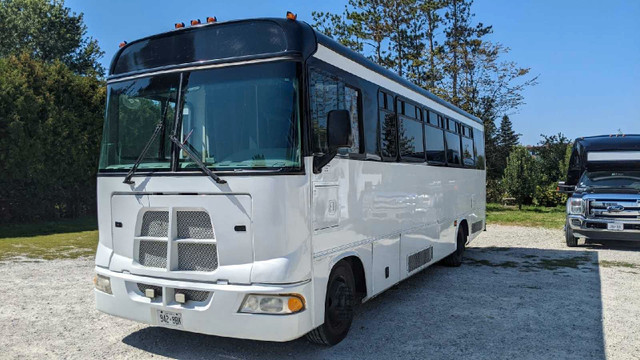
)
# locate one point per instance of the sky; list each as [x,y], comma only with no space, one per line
[585,52]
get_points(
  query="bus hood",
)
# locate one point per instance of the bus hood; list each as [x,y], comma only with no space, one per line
[206,238]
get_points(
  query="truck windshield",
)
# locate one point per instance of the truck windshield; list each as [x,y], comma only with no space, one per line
[232,118]
[625,179]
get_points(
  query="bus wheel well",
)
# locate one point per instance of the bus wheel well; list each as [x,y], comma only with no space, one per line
[358,276]
[465,228]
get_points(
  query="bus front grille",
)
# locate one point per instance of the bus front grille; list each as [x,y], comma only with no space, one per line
[197,257]
[152,253]
[155,224]
[194,225]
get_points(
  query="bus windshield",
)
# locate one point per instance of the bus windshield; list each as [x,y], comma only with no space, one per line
[232,118]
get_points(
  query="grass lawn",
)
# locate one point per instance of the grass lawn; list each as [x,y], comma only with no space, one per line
[551,218]
[64,239]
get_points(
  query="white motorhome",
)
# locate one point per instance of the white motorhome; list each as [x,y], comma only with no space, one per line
[257,180]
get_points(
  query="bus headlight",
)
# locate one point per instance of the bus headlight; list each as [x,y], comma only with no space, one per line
[575,206]
[272,304]
[102,283]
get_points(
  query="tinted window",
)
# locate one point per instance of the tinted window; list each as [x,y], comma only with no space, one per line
[199,44]
[328,93]
[478,141]
[435,144]
[388,135]
[453,148]
[468,157]
[410,140]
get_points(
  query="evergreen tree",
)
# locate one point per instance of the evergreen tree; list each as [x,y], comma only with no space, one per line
[48,31]
[551,152]
[506,140]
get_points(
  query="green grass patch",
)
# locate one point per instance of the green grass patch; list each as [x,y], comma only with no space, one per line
[607,263]
[535,216]
[65,239]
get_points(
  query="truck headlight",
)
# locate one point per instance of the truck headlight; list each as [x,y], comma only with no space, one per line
[575,206]
[102,283]
[272,304]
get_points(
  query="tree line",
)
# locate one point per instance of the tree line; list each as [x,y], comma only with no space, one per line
[52,91]
[52,97]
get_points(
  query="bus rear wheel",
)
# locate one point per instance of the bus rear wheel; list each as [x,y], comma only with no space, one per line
[455,258]
[338,309]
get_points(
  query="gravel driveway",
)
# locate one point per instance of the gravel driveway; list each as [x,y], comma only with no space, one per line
[521,294]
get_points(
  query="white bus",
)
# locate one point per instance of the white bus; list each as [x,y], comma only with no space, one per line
[257,180]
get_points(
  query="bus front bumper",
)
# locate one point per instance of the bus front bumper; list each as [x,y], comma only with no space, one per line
[597,229]
[217,314]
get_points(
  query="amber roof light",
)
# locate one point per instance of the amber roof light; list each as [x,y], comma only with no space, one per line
[291,16]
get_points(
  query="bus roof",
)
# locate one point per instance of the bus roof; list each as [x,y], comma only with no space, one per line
[248,39]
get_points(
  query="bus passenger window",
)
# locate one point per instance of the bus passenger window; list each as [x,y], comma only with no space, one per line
[468,156]
[328,93]
[435,144]
[453,144]
[388,133]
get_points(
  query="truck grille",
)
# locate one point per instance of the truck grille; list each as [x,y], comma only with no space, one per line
[614,209]
[196,244]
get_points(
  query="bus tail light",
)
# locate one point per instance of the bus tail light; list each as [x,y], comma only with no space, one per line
[211,19]
[102,283]
[291,16]
[273,304]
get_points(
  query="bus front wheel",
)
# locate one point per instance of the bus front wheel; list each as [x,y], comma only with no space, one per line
[338,308]
[455,258]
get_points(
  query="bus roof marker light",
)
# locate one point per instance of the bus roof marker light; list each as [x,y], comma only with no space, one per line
[122,44]
[195,22]
[179,25]
[211,19]
[291,16]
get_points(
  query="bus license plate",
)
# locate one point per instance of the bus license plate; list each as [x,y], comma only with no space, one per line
[615,226]
[171,319]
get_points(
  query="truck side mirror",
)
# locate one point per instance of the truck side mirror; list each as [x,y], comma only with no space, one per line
[338,135]
[563,188]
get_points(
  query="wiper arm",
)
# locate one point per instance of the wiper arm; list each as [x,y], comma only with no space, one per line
[158,129]
[195,159]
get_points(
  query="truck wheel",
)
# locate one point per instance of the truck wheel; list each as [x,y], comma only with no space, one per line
[338,308]
[572,241]
[455,259]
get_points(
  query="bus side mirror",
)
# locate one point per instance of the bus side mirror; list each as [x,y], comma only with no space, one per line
[338,129]
[338,135]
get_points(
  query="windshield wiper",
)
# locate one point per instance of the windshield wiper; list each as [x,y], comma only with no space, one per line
[158,129]
[195,159]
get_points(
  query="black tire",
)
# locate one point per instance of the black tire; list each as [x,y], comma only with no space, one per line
[338,309]
[572,241]
[455,258]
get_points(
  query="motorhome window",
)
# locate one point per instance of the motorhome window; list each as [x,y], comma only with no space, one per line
[327,93]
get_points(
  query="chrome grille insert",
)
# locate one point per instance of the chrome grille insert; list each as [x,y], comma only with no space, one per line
[194,295]
[155,224]
[194,225]
[152,253]
[197,257]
